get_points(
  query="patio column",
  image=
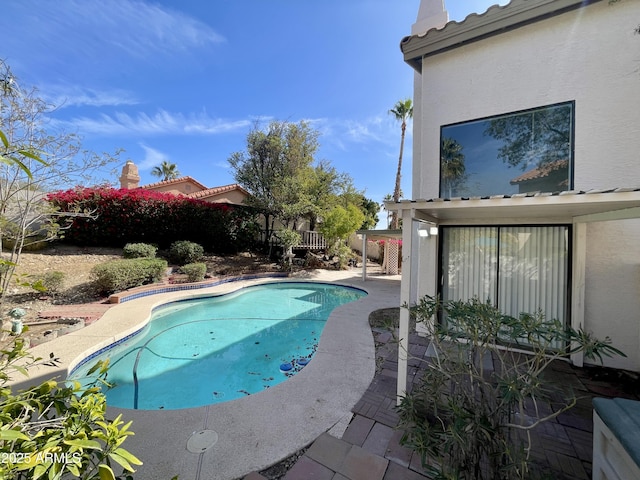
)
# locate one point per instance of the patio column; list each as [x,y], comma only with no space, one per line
[578,281]
[364,257]
[405,299]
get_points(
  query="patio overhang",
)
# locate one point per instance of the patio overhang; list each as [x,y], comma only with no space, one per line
[577,208]
[374,235]
[563,207]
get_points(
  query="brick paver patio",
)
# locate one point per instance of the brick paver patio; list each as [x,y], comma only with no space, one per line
[370,447]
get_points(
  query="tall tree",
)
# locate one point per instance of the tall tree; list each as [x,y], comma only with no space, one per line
[402,111]
[326,188]
[166,171]
[33,162]
[371,209]
[339,223]
[50,417]
[274,169]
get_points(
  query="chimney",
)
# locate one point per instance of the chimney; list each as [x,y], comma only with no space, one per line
[129,178]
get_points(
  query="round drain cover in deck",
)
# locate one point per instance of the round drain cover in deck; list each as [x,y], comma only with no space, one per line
[202,441]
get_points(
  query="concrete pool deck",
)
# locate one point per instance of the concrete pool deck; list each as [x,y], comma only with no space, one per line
[259,430]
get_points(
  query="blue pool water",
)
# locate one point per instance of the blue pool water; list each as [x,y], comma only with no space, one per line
[215,349]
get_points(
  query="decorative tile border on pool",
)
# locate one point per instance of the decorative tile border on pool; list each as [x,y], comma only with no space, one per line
[105,349]
[153,290]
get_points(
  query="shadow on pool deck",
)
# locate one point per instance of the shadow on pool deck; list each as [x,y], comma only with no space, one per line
[370,447]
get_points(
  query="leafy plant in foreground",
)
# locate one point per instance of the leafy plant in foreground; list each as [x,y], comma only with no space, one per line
[58,431]
[485,388]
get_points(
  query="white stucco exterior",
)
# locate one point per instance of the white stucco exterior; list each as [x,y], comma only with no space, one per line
[589,55]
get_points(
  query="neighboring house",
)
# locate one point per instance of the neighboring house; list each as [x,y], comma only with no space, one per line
[534,195]
[187,186]
[231,194]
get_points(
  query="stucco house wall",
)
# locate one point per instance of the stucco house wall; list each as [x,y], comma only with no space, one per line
[235,196]
[589,55]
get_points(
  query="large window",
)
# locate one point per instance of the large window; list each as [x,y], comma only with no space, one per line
[518,268]
[519,152]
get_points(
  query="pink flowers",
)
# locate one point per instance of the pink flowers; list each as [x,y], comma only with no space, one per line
[113,217]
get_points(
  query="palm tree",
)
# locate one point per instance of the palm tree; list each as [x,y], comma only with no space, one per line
[166,171]
[452,165]
[402,111]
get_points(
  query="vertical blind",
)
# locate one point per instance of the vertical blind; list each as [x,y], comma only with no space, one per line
[518,268]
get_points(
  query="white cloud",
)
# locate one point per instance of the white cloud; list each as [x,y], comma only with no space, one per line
[160,123]
[371,131]
[76,96]
[152,158]
[94,30]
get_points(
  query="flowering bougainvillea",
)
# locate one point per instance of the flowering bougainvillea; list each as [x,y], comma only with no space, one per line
[393,240]
[120,216]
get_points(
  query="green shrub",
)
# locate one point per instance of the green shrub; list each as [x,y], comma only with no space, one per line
[194,271]
[289,238]
[184,251]
[119,275]
[343,255]
[53,282]
[139,250]
[471,413]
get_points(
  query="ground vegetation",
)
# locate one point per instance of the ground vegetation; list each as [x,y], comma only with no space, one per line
[35,160]
[484,389]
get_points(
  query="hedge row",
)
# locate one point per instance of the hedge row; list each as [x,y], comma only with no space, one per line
[120,275]
[121,216]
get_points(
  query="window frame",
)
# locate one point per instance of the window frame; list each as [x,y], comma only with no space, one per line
[571,159]
[569,267]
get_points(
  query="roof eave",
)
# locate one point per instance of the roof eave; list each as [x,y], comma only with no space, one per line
[497,19]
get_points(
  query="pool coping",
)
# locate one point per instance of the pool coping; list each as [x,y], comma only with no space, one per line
[258,430]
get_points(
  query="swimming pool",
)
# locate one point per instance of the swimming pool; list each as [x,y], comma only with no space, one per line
[215,349]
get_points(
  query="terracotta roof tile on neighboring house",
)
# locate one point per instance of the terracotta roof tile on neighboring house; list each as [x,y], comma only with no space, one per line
[174,181]
[217,191]
[542,171]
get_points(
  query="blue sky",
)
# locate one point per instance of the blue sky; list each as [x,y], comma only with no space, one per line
[184,81]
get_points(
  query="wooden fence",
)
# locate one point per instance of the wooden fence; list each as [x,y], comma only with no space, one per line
[310,240]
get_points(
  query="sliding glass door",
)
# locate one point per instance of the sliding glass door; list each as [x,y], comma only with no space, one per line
[517,268]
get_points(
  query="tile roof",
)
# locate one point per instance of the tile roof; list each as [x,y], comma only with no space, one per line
[218,190]
[541,171]
[175,181]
